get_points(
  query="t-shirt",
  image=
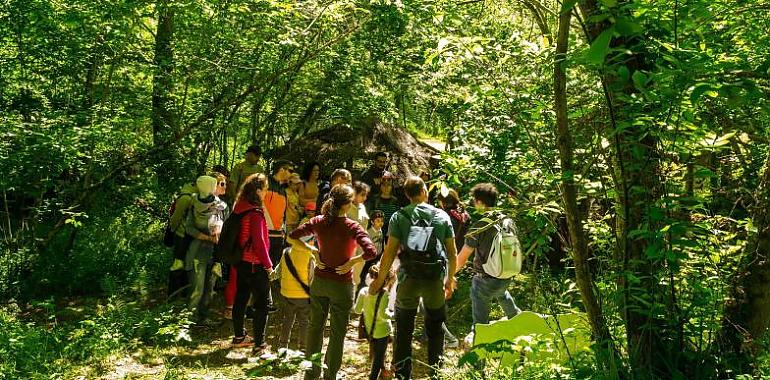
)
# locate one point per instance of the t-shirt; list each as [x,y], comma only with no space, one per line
[439,220]
[388,206]
[337,242]
[240,172]
[482,241]
[275,205]
[365,304]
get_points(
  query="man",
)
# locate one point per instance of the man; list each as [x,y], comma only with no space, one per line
[425,237]
[375,172]
[479,239]
[339,177]
[275,205]
[242,170]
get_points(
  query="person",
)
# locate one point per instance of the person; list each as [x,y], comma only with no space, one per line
[250,165]
[373,175]
[178,279]
[460,218]
[255,266]
[311,175]
[203,224]
[478,241]
[339,177]
[222,170]
[385,201]
[376,319]
[425,237]
[296,275]
[331,292]
[293,208]
[275,206]
[357,212]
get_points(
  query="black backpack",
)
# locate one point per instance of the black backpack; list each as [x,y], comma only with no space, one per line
[420,256]
[228,249]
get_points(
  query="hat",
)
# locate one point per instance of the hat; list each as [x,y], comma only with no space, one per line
[294,178]
[206,185]
[254,148]
[310,206]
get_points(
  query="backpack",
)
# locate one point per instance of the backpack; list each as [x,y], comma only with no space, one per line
[168,234]
[228,248]
[420,256]
[505,256]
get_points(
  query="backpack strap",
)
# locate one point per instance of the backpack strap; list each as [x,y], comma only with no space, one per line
[293,271]
[374,315]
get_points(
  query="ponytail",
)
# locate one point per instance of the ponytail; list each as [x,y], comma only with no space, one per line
[338,198]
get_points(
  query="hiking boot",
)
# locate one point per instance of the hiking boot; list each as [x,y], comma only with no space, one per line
[242,341]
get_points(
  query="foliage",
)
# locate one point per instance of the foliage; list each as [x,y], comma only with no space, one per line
[48,347]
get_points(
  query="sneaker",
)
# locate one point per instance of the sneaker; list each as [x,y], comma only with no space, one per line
[259,349]
[242,341]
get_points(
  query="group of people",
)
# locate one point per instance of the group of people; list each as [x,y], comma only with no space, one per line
[317,252]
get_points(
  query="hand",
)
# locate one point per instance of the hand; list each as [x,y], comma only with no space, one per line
[318,263]
[347,267]
[449,287]
[216,270]
[375,286]
[214,238]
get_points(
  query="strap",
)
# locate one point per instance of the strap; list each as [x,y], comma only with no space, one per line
[293,271]
[374,315]
[269,220]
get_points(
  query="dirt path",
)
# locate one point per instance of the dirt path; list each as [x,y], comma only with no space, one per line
[209,356]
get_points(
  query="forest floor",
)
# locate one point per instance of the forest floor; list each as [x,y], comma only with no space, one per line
[209,356]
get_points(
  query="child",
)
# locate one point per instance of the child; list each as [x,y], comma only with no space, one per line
[377,316]
[358,213]
[295,289]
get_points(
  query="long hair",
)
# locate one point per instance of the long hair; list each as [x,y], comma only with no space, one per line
[338,198]
[451,201]
[308,168]
[248,191]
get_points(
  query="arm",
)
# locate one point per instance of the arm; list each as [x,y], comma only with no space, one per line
[260,240]
[180,210]
[306,229]
[190,229]
[451,253]
[462,258]
[385,263]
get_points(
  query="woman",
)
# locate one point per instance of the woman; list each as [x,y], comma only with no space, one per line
[385,201]
[255,266]
[331,293]
[459,217]
[204,224]
[310,176]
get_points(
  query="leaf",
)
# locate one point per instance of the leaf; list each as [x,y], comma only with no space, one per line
[600,47]
[624,74]
[626,27]
[699,90]
[640,80]
[442,43]
[609,3]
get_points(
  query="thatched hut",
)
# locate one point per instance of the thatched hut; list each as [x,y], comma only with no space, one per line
[353,148]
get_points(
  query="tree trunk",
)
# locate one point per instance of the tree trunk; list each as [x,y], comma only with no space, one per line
[163,123]
[636,172]
[569,194]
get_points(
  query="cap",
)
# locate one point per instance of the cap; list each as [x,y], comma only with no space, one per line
[310,206]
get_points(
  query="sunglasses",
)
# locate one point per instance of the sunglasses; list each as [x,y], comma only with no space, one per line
[223,184]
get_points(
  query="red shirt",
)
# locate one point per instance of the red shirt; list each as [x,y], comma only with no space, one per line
[253,235]
[336,243]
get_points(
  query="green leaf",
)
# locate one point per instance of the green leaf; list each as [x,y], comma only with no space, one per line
[600,47]
[699,90]
[640,80]
[626,27]
[609,3]
[624,74]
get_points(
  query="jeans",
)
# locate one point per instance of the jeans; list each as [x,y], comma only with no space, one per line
[252,282]
[378,348]
[408,295]
[202,287]
[328,299]
[483,290]
[294,310]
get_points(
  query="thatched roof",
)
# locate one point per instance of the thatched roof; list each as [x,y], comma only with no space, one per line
[353,147]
